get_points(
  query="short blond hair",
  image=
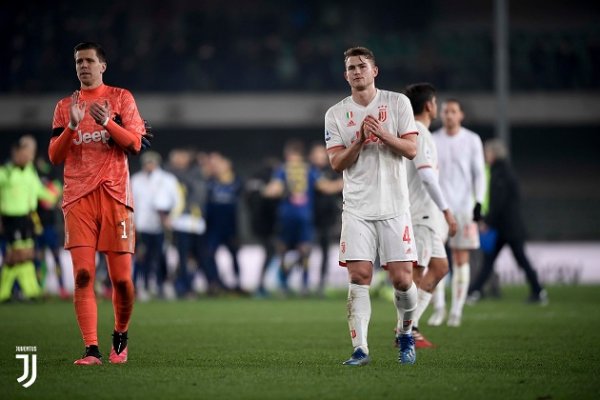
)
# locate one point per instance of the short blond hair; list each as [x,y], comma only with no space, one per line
[360,52]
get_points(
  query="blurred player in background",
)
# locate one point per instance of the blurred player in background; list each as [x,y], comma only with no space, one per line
[431,216]
[295,183]
[47,213]
[189,223]
[97,200]
[504,216]
[369,136]
[156,194]
[462,178]
[327,208]
[263,215]
[223,192]
[20,190]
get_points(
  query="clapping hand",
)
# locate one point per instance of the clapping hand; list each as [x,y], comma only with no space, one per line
[77,110]
[372,126]
[100,112]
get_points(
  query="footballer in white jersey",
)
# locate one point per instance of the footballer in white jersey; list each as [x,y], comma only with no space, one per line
[462,178]
[423,209]
[431,216]
[370,136]
[462,168]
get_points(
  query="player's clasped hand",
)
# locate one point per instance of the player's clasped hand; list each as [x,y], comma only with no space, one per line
[372,126]
[77,109]
[100,112]
[363,133]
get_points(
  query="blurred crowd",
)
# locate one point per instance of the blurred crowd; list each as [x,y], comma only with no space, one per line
[188,207]
[264,46]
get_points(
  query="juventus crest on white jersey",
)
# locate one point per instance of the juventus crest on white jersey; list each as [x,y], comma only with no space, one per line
[375,187]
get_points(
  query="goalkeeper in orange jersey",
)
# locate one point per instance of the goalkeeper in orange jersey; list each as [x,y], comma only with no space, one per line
[93,131]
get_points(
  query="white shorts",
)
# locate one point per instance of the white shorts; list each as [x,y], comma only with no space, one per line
[429,245]
[362,239]
[467,235]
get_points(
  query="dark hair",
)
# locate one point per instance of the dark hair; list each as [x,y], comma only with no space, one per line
[92,45]
[419,94]
[361,52]
[455,101]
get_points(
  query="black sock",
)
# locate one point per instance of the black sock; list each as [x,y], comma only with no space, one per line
[119,341]
[92,350]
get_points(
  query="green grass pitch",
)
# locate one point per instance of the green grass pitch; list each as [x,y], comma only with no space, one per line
[291,349]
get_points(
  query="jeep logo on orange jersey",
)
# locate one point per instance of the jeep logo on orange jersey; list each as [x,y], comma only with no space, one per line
[96,136]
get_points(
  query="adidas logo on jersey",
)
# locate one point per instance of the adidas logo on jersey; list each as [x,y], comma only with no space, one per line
[351,123]
[97,136]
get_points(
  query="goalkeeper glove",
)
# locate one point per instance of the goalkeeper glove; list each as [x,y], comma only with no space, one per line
[147,138]
[477,212]
[118,121]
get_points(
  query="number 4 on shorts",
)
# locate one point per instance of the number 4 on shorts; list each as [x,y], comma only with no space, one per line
[406,235]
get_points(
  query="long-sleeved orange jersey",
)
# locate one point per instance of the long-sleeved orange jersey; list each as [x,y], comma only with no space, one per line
[91,159]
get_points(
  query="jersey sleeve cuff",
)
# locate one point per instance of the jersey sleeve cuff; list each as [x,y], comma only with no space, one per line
[336,147]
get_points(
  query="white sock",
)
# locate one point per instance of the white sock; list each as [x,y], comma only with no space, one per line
[406,305]
[439,295]
[359,314]
[461,277]
[423,299]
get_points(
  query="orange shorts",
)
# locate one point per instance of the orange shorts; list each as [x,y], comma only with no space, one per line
[97,220]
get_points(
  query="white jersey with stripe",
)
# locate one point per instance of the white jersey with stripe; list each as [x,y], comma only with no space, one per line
[423,210]
[462,173]
[375,186]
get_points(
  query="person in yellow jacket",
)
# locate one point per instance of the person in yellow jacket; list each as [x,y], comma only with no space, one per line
[20,189]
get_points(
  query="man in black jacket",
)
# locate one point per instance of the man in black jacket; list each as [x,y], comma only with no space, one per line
[504,216]
[327,207]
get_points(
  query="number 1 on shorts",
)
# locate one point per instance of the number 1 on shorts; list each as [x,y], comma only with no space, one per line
[124,235]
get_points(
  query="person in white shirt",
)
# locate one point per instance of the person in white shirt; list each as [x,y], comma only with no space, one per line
[155,193]
[369,136]
[431,216]
[462,178]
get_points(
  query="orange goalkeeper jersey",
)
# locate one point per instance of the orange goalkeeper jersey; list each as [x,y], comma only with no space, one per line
[93,159]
